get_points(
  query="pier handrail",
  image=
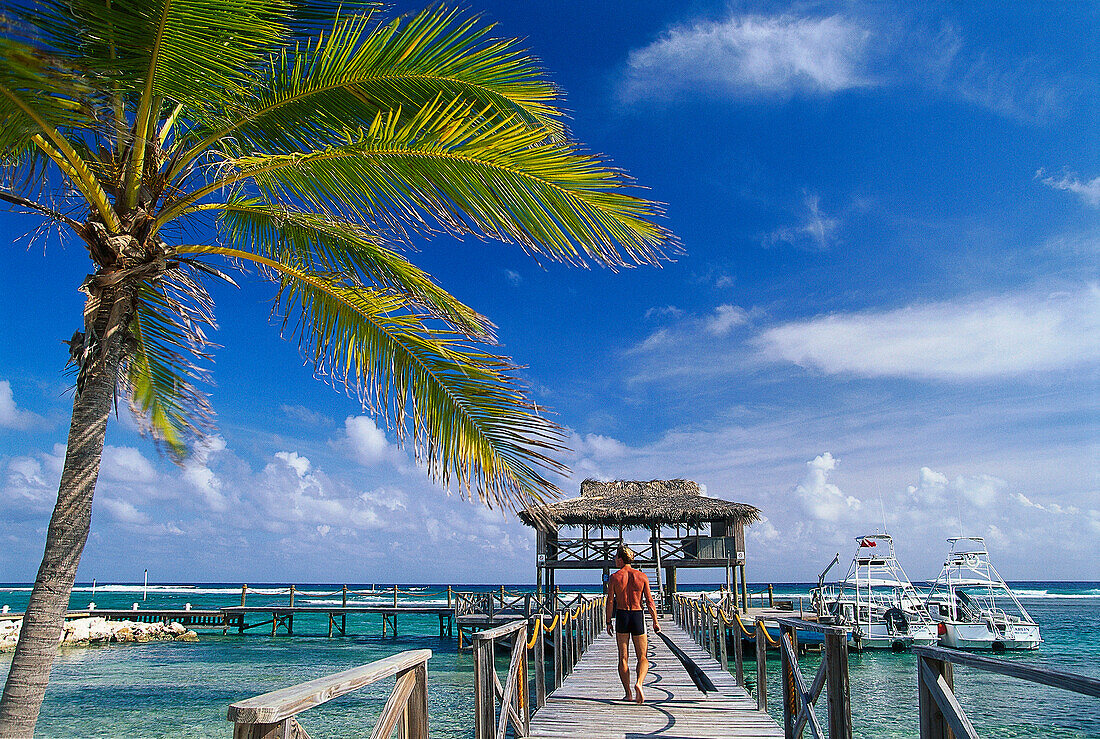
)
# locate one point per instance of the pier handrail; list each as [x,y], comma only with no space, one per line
[273,714]
[512,695]
[941,715]
[832,675]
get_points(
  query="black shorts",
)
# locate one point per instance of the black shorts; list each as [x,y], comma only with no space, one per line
[629,622]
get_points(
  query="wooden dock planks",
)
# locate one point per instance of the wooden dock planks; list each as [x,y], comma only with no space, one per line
[588,705]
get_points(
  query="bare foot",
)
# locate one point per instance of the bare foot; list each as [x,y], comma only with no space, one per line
[628,697]
[639,696]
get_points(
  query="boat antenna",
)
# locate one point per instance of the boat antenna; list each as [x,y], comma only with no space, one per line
[882,510]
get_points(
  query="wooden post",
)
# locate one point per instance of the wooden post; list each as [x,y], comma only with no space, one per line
[244,592]
[540,662]
[291,596]
[723,648]
[558,667]
[771,596]
[788,666]
[448,596]
[744,590]
[484,687]
[761,667]
[715,622]
[933,725]
[344,616]
[571,644]
[836,682]
[738,648]
[415,725]
[395,595]
[579,637]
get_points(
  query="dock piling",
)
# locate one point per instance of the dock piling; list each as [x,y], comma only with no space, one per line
[761,667]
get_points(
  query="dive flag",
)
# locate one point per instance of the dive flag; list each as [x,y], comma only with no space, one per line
[868,543]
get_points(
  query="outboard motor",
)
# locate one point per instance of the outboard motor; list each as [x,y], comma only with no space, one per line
[896,621]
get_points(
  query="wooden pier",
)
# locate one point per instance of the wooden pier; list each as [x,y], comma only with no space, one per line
[337,617]
[589,704]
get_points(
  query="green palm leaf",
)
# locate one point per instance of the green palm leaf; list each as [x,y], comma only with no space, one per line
[184,50]
[321,242]
[168,349]
[449,167]
[467,415]
[345,78]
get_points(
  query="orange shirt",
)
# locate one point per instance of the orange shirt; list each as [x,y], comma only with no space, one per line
[627,586]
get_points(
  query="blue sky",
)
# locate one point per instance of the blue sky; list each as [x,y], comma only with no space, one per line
[888,308]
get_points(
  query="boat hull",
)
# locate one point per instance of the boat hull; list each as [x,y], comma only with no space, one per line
[981,636]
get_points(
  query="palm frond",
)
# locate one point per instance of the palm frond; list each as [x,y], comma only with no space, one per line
[342,79]
[469,420]
[184,50]
[324,243]
[35,92]
[470,423]
[452,168]
[167,353]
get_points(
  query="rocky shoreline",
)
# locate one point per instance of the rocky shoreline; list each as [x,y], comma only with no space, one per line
[97,630]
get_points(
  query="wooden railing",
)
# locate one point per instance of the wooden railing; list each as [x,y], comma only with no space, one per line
[708,624]
[489,692]
[941,716]
[832,675]
[495,603]
[272,715]
[677,548]
[498,705]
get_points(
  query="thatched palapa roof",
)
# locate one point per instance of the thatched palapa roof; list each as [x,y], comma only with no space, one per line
[635,503]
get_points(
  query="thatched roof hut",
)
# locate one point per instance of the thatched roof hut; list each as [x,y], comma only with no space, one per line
[636,503]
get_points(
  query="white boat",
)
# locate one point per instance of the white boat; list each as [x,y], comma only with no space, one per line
[973,607]
[875,599]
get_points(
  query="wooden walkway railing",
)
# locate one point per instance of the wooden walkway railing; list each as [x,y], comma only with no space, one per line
[707,624]
[941,716]
[832,675]
[498,705]
[272,715]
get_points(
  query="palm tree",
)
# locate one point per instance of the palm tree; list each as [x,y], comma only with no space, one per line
[306,145]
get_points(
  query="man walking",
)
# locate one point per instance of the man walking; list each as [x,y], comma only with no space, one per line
[626,590]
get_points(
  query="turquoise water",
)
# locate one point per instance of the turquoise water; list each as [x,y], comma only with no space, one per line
[183,689]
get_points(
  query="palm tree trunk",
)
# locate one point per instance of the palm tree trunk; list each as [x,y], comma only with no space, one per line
[45,615]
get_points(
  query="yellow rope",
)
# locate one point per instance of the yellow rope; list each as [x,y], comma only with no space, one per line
[553,623]
[534,638]
[741,623]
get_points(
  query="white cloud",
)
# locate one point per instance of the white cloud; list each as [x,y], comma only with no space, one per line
[126,464]
[822,499]
[664,311]
[815,230]
[198,474]
[748,54]
[366,442]
[971,339]
[123,511]
[756,56]
[305,415]
[725,319]
[514,278]
[12,416]
[1087,190]
[294,461]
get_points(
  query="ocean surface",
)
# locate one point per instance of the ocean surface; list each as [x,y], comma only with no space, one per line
[170,689]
